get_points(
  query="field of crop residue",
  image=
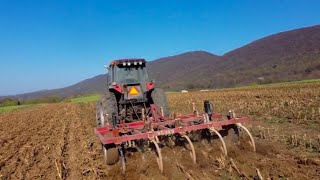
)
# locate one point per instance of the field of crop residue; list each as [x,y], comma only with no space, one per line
[56,141]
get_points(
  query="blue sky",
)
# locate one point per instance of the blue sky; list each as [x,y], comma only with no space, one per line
[51,44]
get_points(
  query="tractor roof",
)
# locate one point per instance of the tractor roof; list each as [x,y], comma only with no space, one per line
[121,61]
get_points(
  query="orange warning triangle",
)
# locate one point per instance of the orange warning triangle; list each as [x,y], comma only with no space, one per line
[133,91]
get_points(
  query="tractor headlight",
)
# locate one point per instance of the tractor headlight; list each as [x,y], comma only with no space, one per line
[124,63]
[129,63]
[140,62]
[135,63]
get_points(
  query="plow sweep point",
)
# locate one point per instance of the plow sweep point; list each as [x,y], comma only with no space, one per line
[123,160]
[159,156]
[192,152]
[222,141]
[251,138]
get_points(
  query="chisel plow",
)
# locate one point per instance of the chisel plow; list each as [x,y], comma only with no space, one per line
[155,131]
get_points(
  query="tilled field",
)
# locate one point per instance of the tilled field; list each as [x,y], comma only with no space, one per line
[56,141]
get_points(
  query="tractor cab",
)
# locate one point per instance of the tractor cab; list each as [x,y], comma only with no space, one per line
[128,71]
[129,78]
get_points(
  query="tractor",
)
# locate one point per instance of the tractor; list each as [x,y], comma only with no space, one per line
[133,113]
[129,93]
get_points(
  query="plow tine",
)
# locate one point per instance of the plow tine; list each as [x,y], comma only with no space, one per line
[157,139]
[159,156]
[123,160]
[222,141]
[192,153]
[248,132]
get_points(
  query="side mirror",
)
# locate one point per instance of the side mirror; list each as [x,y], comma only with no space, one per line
[107,68]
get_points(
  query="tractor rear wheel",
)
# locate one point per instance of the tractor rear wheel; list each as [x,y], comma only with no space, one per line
[108,105]
[99,114]
[159,98]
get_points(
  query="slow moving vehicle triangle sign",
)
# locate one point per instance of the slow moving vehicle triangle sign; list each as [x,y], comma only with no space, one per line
[133,91]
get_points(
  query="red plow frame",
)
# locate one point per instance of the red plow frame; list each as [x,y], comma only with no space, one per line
[155,126]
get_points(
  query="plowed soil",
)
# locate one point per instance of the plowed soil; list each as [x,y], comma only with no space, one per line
[57,141]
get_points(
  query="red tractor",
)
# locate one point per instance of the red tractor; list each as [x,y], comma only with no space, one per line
[134,114]
[129,93]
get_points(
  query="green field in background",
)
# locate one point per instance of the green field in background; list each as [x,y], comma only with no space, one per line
[90,98]
[12,108]
[255,85]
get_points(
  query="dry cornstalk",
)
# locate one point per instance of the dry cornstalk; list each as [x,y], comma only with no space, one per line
[182,169]
[60,176]
[64,165]
[221,160]
[259,174]
[235,167]
[85,171]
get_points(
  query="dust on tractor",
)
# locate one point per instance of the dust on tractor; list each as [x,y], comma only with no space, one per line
[134,114]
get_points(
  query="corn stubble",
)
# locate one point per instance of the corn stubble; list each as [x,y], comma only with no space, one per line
[297,104]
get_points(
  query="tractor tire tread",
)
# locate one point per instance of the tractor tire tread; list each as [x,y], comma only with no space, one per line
[109,106]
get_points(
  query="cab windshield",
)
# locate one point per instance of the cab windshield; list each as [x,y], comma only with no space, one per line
[131,74]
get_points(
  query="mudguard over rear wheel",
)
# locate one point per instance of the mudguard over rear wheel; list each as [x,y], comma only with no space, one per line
[159,98]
